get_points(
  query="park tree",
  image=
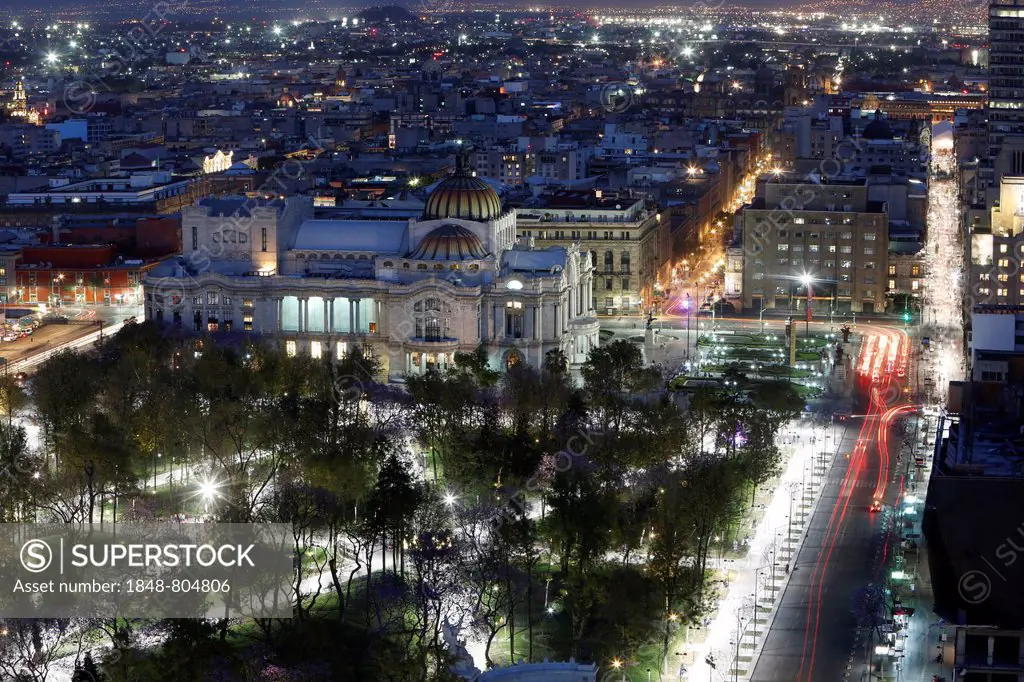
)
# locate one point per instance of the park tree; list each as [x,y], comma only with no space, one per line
[610,374]
[445,410]
[778,401]
[17,469]
[760,457]
[64,390]
[12,397]
[30,647]
[391,509]
[477,364]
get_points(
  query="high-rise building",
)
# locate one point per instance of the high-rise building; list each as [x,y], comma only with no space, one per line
[1006,87]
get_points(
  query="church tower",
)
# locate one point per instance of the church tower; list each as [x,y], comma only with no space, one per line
[19,105]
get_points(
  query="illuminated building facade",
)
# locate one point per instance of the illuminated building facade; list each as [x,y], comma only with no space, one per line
[833,232]
[411,292]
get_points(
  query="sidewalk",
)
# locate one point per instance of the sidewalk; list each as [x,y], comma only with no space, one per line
[761,577]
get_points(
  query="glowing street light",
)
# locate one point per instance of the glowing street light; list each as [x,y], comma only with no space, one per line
[209,490]
[52,57]
[806,279]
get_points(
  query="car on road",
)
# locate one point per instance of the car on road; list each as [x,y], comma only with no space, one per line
[842,415]
[876,505]
[719,307]
[20,378]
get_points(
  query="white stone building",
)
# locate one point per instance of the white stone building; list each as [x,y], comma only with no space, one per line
[410,291]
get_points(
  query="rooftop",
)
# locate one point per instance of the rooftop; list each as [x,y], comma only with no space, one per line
[571,198]
[238,205]
[371,236]
[534,260]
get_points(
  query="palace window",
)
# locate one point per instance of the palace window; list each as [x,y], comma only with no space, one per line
[514,320]
[432,318]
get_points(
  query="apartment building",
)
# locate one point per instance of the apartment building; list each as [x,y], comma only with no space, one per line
[831,232]
[905,274]
[997,249]
[508,165]
[566,164]
[620,233]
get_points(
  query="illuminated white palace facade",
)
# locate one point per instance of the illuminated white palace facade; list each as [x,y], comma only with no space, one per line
[411,291]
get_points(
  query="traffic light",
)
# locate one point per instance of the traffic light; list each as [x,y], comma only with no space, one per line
[906,317]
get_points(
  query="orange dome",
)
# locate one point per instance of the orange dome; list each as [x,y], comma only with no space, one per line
[464,197]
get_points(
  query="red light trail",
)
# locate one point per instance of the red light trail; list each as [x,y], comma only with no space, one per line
[883,354]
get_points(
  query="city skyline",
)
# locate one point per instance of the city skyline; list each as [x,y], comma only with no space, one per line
[640,343]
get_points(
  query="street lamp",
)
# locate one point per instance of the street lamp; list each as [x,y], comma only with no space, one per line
[209,490]
[806,280]
[686,307]
[617,665]
[155,455]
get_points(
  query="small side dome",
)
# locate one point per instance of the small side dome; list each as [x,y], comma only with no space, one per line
[450,242]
